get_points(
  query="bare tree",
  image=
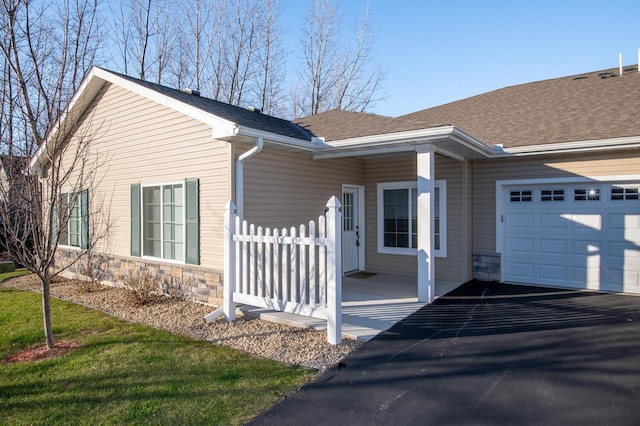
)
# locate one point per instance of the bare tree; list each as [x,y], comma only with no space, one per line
[165,38]
[271,56]
[242,20]
[134,24]
[332,75]
[358,76]
[46,50]
[319,43]
[193,66]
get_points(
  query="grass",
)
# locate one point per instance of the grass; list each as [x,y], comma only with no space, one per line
[127,373]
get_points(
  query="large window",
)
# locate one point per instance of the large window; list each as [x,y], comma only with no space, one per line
[398,218]
[74,208]
[163,221]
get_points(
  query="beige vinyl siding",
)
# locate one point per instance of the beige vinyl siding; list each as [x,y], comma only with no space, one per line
[404,168]
[284,189]
[4,183]
[141,141]
[487,172]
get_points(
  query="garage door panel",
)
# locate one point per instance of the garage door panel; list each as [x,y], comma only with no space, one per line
[555,221]
[552,247]
[624,221]
[520,270]
[584,277]
[522,220]
[585,247]
[585,222]
[622,250]
[521,245]
[617,221]
[556,273]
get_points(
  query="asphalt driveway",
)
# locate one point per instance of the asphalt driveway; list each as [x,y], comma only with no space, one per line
[487,354]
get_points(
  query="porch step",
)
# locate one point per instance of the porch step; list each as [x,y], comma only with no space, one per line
[359,322]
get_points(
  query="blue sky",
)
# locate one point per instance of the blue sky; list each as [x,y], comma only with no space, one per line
[436,52]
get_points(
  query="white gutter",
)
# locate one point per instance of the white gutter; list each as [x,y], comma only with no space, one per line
[303,144]
[576,146]
[400,141]
[240,174]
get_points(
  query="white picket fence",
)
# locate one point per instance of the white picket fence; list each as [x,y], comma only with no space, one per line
[296,270]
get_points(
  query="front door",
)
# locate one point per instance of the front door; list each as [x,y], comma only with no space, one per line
[350,229]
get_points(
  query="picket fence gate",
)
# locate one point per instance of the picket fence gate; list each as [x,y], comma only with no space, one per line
[296,270]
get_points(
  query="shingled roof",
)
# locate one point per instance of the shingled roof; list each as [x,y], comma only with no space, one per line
[591,106]
[340,124]
[237,115]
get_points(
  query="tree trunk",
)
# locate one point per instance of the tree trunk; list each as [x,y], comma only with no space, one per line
[46,312]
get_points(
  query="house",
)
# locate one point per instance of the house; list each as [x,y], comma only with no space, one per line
[536,183]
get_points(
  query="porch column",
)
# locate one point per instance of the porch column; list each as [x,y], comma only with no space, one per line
[426,190]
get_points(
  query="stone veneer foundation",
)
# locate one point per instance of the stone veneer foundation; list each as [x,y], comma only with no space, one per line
[201,284]
[486,267]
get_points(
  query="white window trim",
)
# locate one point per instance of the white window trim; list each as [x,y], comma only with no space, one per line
[69,246]
[441,184]
[184,230]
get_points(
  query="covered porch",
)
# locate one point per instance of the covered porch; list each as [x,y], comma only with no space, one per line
[369,305]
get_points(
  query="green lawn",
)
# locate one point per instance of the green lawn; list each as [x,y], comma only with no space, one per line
[127,373]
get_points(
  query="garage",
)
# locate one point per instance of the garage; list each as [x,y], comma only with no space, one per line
[583,235]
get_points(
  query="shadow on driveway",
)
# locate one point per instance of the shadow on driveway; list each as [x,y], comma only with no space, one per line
[487,353]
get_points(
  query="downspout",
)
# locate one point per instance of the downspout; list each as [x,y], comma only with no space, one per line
[240,175]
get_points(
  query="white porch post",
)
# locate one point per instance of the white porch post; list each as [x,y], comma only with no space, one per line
[426,190]
[334,271]
[229,305]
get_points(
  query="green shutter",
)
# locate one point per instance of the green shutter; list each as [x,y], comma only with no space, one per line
[55,221]
[135,219]
[62,225]
[84,219]
[192,222]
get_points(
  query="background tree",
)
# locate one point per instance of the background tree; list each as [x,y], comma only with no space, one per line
[47,48]
[358,75]
[319,46]
[268,92]
[233,51]
[332,75]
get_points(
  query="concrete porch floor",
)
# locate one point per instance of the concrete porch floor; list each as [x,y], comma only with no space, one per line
[369,305]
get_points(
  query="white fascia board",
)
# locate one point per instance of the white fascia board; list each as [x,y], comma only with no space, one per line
[472,143]
[365,151]
[385,138]
[399,142]
[576,146]
[302,144]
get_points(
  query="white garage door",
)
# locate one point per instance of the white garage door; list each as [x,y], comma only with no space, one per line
[578,236]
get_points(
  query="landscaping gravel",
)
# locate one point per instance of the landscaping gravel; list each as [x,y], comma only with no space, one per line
[290,345]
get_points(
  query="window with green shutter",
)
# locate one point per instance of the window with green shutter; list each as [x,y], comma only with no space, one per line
[165,221]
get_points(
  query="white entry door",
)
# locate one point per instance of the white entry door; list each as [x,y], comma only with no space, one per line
[350,229]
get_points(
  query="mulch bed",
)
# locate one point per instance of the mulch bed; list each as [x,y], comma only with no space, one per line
[37,353]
